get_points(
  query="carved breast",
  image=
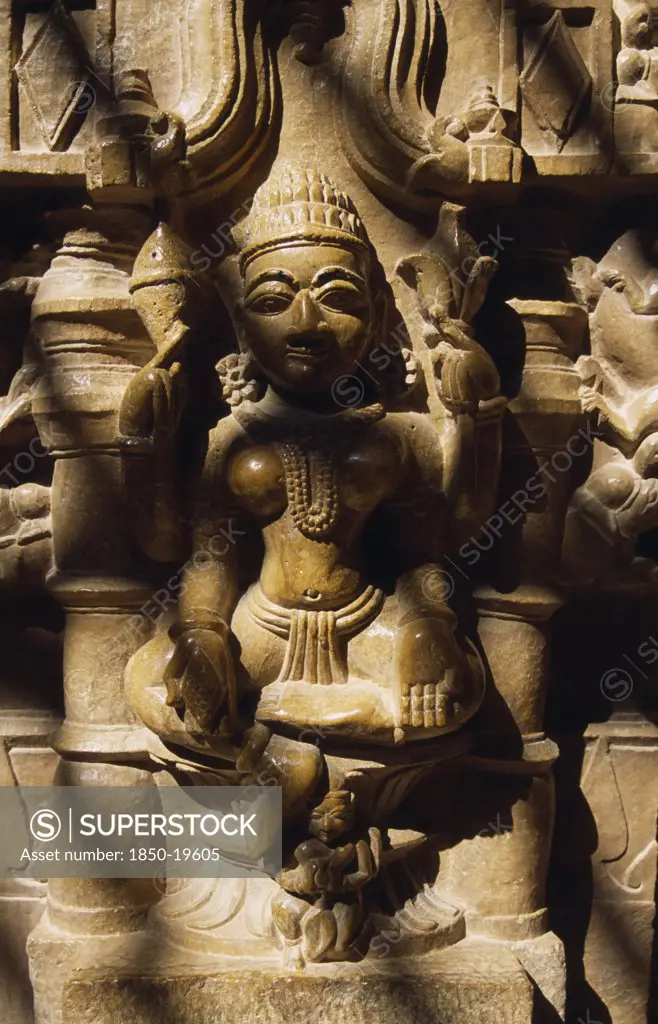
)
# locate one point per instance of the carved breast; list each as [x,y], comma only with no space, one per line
[365,474]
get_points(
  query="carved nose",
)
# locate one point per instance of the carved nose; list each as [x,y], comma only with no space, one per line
[307,315]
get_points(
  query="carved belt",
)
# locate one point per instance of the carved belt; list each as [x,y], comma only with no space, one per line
[315,652]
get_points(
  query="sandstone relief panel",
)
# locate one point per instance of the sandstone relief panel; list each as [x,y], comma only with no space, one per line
[329,426]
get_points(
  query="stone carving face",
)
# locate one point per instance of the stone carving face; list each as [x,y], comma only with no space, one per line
[308,314]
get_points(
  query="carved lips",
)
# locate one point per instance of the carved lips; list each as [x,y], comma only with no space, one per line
[309,348]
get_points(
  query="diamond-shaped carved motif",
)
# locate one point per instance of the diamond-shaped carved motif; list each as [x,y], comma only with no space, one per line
[54,71]
[555,83]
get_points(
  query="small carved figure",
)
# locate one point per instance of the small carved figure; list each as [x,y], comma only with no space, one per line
[620,377]
[637,62]
[619,502]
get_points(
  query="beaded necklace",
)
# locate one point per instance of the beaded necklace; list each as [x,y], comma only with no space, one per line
[312,486]
[309,446]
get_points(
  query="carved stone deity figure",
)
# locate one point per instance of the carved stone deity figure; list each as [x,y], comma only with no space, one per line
[330,635]
[314,601]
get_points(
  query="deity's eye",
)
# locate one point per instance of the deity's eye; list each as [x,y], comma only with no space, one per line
[344,298]
[270,303]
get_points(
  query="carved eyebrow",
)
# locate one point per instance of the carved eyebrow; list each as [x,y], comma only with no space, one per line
[331,273]
[273,275]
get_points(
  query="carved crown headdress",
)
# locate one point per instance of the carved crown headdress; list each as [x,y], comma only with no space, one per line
[301,205]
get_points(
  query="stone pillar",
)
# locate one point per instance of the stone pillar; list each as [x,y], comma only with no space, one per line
[90,342]
[501,873]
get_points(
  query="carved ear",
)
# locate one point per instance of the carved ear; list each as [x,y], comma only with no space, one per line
[586,284]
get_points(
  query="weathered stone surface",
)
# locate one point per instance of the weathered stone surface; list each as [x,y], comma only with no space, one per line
[329,425]
[21,906]
[476,985]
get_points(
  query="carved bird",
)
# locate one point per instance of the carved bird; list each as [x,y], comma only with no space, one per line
[450,277]
[451,280]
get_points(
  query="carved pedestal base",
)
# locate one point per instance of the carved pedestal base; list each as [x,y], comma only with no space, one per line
[478,983]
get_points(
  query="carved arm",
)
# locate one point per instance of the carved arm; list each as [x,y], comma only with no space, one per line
[200,677]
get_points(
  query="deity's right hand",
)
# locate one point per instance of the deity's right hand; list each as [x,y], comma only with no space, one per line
[200,677]
[152,403]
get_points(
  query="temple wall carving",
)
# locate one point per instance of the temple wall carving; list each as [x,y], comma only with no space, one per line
[329,424]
